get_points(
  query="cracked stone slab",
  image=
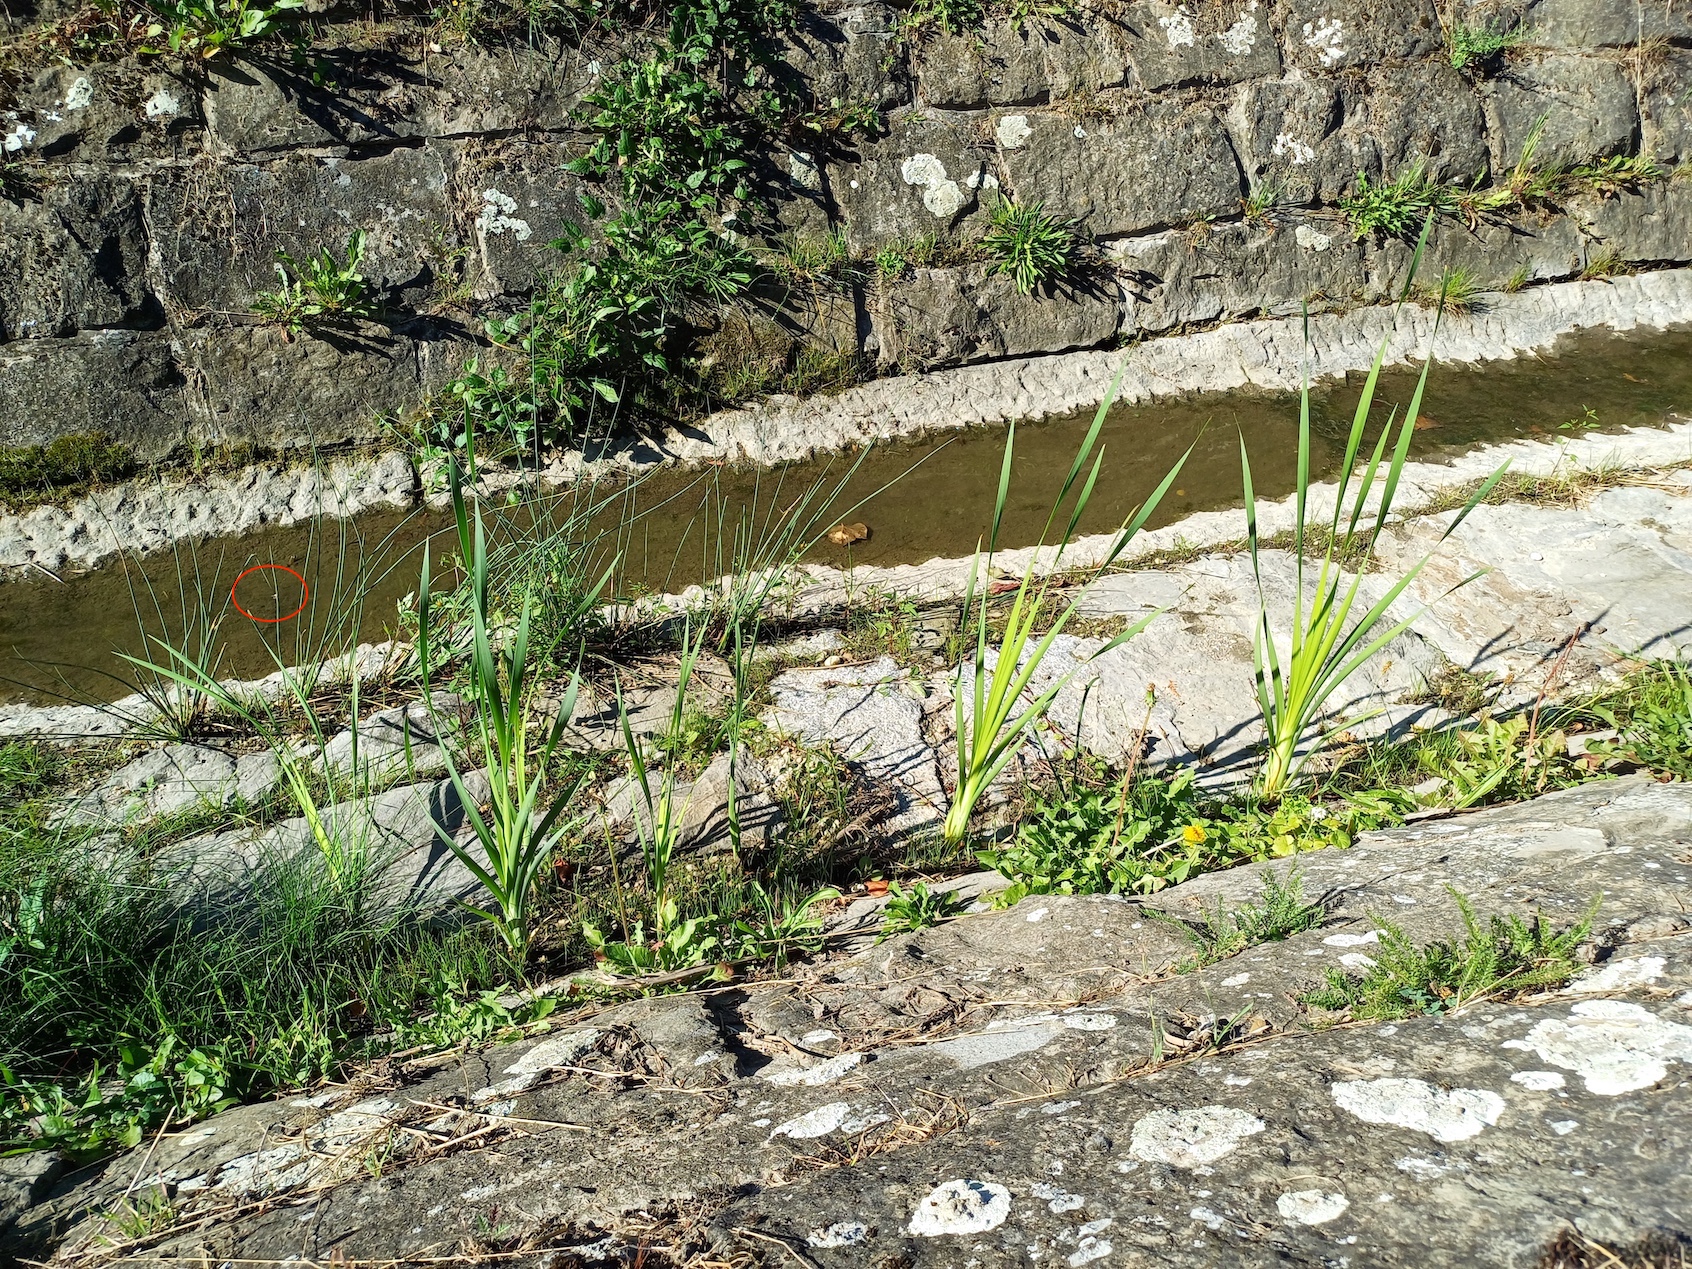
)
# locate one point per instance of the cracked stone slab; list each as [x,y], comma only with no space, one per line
[172,780]
[1003,1081]
[1184,687]
[1615,575]
[872,715]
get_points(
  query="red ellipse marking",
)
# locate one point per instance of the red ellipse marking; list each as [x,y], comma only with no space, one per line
[305,593]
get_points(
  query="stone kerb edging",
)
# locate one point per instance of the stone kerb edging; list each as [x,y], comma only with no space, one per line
[1270,354]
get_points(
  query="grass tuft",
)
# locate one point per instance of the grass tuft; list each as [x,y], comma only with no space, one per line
[1505,957]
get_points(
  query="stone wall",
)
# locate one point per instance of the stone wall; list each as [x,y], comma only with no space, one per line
[162,190]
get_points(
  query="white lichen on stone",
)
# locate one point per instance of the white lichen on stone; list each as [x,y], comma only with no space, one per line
[941,195]
[1089,1249]
[1178,28]
[495,217]
[21,136]
[1236,980]
[813,1076]
[1191,1138]
[1311,1207]
[1618,975]
[1298,153]
[163,104]
[1444,1114]
[813,1123]
[1013,133]
[80,95]
[1614,1045]
[1357,960]
[1089,1021]
[1351,940]
[961,1207]
[1422,1169]
[839,1234]
[1240,38]
[1313,240]
[1057,1199]
[804,171]
[1539,1081]
[1326,36]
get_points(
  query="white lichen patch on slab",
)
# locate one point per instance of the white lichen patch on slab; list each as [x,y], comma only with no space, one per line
[1444,1114]
[813,1076]
[1191,1138]
[1311,1207]
[813,1123]
[1618,975]
[839,1234]
[1615,1046]
[1013,133]
[1538,1081]
[1240,38]
[961,1207]
[940,194]
[495,217]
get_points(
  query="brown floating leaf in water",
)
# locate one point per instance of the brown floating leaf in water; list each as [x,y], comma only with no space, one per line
[1424,423]
[846,534]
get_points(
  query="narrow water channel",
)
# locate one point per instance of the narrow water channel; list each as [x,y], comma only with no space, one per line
[919,500]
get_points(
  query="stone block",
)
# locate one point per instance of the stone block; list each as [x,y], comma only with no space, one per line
[846,58]
[1496,254]
[1011,63]
[1653,226]
[1587,104]
[110,112]
[383,97]
[1322,35]
[968,314]
[1584,24]
[1235,271]
[518,198]
[1169,45]
[925,176]
[1665,107]
[124,383]
[256,384]
[872,716]
[217,229]
[174,780]
[1160,165]
[73,258]
[1309,137]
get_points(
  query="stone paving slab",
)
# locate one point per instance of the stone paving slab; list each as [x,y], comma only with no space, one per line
[1036,1085]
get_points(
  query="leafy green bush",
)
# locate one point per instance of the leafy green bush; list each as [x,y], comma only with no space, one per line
[662,128]
[319,291]
[207,27]
[954,17]
[1028,245]
[917,908]
[68,461]
[1653,719]
[1161,831]
[591,331]
[1506,956]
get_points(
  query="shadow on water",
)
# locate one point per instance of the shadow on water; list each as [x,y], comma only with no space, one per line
[61,639]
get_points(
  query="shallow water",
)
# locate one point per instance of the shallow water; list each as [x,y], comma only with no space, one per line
[935,499]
